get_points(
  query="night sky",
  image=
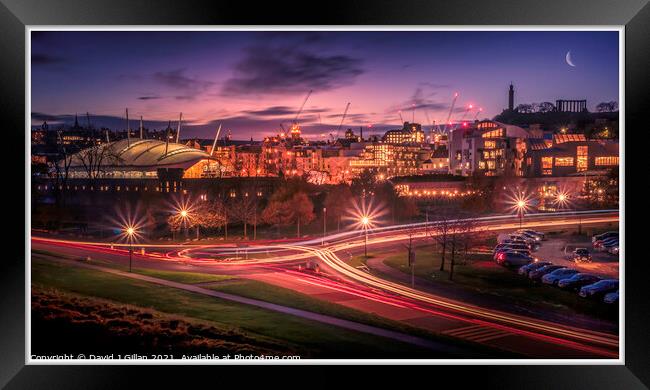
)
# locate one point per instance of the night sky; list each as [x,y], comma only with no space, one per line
[253,81]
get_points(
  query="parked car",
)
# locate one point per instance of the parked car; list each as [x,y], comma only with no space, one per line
[581,255]
[613,249]
[605,245]
[531,236]
[611,297]
[538,273]
[523,237]
[518,250]
[577,281]
[509,246]
[599,289]
[515,241]
[532,266]
[602,243]
[535,233]
[510,259]
[604,236]
[554,277]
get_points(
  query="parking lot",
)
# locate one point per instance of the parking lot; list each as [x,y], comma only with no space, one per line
[558,250]
[549,258]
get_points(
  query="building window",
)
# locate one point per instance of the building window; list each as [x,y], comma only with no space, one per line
[582,158]
[490,144]
[493,134]
[610,161]
[563,161]
[547,165]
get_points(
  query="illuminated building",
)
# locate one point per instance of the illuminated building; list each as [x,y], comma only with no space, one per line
[390,159]
[570,154]
[427,187]
[489,147]
[139,158]
[438,163]
[410,133]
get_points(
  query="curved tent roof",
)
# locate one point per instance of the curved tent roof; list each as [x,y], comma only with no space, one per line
[140,154]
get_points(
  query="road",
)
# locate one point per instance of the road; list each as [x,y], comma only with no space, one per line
[343,284]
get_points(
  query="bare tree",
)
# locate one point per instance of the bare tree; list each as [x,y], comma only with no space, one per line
[95,159]
[546,107]
[607,106]
[244,210]
[441,232]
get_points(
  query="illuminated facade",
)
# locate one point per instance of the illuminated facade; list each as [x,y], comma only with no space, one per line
[571,155]
[489,147]
[410,133]
[390,159]
[135,159]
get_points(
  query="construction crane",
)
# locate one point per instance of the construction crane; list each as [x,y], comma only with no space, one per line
[478,112]
[400,117]
[295,120]
[342,119]
[451,108]
[469,107]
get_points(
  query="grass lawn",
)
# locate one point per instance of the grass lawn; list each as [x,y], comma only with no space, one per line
[309,338]
[183,277]
[360,260]
[482,275]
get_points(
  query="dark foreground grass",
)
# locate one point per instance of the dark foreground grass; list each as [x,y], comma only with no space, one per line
[308,338]
[63,322]
[482,275]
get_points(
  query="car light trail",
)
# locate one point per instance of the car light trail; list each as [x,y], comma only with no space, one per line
[329,258]
[364,285]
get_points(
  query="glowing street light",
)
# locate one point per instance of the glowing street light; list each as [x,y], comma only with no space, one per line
[183,213]
[365,221]
[521,206]
[365,216]
[130,233]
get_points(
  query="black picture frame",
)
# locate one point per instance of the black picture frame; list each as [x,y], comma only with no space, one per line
[16,14]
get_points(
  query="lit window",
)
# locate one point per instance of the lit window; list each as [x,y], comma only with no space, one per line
[583,158]
[563,161]
[607,161]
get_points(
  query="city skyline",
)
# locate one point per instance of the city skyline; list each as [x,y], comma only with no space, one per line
[252,81]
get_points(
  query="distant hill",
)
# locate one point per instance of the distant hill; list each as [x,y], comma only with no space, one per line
[554,120]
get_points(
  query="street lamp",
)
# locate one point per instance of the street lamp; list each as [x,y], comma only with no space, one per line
[521,206]
[184,216]
[130,234]
[365,221]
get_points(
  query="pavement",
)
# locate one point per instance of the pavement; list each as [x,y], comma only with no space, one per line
[559,251]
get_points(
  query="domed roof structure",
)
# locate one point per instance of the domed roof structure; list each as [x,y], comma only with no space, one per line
[138,154]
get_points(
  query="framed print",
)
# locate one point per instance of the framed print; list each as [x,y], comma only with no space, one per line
[387,185]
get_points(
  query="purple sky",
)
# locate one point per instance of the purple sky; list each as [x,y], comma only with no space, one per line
[253,81]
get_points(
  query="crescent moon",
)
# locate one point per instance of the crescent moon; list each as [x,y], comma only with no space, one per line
[568,59]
